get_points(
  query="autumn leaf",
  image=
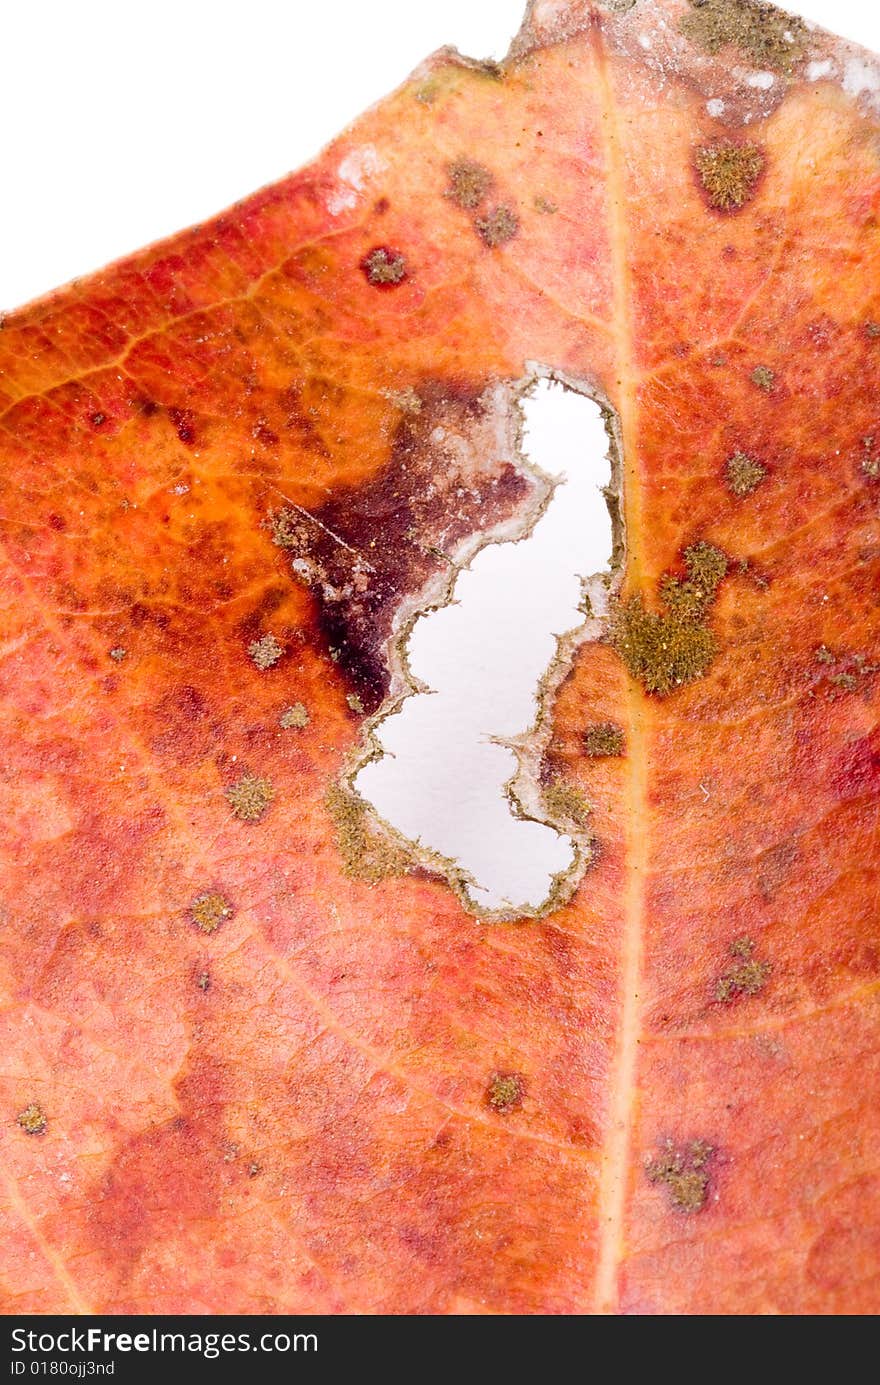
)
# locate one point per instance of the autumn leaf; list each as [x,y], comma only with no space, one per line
[260,1056]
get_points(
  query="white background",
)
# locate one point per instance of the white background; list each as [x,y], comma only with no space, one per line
[124,123]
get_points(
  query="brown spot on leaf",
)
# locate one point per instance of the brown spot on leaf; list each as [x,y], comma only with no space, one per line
[565,801]
[207,911]
[498,226]
[407,400]
[666,649]
[746,975]
[294,718]
[706,566]
[32,1119]
[505,1092]
[249,797]
[469,183]
[768,36]
[384,267]
[744,474]
[763,377]
[847,681]
[266,651]
[369,851]
[604,739]
[729,173]
[683,1171]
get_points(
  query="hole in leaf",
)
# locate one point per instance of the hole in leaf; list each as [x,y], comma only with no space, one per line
[444,777]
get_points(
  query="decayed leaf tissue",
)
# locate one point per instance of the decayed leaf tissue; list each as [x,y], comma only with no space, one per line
[261,1052]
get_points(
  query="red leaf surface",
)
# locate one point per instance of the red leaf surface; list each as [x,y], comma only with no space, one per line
[255,1059]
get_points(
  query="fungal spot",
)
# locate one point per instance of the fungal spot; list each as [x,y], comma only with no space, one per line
[369,849]
[407,400]
[31,1119]
[824,655]
[249,797]
[98,418]
[846,681]
[203,981]
[729,173]
[565,802]
[872,329]
[604,739]
[662,651]
[706,566]
[619,6]
[384,267]
[545,206]
[209,910]
[294,718]
[355,704]
[767,35]
[469,184]
[505,1092]
[498,227]
[763,377]
[683,1172]
[745,976]
[285,527]
[265,652]
[871,467]
[254,1170]
[666,649]
[744,474]
[117,653]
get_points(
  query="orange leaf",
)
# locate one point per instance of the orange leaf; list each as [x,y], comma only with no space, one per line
[257,1058]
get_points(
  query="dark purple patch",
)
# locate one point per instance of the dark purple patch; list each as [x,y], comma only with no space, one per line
[262,433]
[184,423]
[858,768]
[391,528]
